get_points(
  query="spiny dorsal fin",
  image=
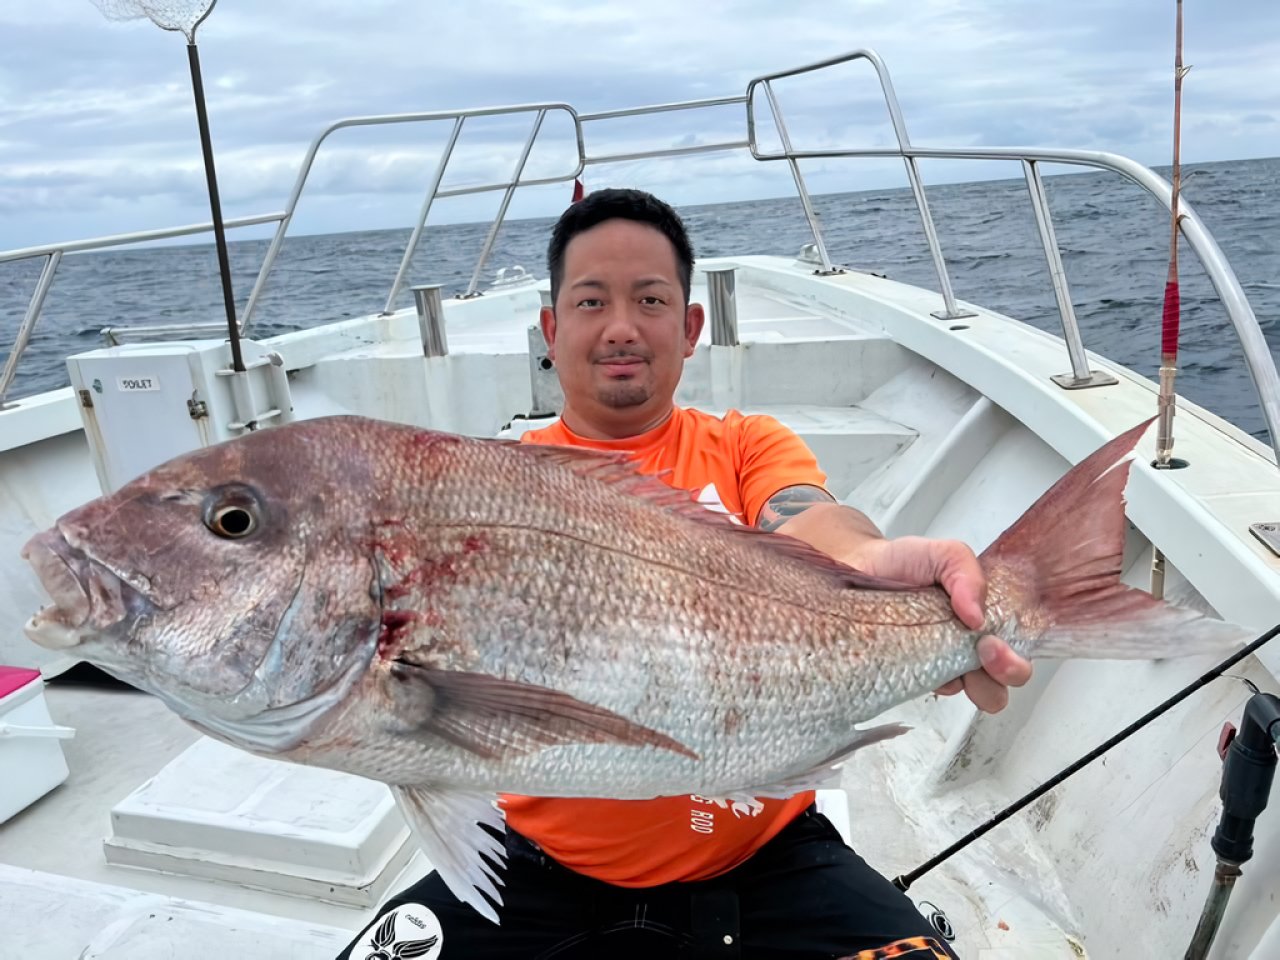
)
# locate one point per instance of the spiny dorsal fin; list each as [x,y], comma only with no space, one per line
[620,471]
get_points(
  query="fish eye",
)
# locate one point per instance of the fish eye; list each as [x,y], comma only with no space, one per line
[232,514]
[232,522]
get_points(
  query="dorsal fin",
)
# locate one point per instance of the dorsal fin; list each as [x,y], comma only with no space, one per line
[620,470]
[844,574]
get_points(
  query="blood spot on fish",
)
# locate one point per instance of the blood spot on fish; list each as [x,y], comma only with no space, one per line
[392,633]
[432,572]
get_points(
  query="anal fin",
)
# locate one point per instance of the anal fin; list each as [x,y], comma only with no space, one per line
[826,773]
[449,826]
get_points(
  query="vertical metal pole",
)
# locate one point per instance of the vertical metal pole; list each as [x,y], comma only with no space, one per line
[1157,573]
[28,323]
[431,320]
[506,202]
[723,306]
[219,234]
[268,259]
[809,213]
[278,379]
[422,217]
[1057,273]
[1215,907]
[242,399]
[1080,376]
[950,311]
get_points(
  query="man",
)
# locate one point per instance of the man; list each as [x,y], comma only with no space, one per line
[688,876]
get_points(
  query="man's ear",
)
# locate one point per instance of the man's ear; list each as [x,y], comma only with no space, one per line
[694,318]
[547,320]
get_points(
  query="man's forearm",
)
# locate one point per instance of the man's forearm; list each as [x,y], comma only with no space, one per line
[838,531]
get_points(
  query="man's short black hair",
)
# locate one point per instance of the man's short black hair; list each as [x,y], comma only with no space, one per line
[618,204]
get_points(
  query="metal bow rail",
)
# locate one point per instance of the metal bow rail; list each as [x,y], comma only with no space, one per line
[1257,354]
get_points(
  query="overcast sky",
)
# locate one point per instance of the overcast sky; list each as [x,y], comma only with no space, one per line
[98,132]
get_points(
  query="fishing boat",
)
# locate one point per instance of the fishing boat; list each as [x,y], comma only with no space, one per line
[138,838]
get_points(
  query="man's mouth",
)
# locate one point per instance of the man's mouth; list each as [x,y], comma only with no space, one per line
[621,366]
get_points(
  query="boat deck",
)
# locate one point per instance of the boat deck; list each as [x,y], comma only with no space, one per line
[931,428]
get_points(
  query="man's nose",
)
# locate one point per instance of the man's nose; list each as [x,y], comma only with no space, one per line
[622,327]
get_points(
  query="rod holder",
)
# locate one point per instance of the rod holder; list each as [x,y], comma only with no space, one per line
[1248,770]
[722,301]
[431,320]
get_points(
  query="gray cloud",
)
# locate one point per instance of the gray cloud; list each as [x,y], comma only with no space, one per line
[97,131]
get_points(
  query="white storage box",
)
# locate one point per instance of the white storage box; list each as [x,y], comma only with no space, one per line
[30,754]
[219,813]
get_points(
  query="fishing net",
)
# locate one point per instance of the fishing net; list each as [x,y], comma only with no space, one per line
[183,16]
[180,16]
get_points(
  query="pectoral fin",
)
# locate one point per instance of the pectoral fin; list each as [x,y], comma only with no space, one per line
[495,718]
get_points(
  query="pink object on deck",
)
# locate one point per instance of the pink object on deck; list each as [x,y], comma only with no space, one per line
[15,678]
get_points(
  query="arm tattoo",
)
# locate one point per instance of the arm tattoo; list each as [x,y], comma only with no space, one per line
[788,502]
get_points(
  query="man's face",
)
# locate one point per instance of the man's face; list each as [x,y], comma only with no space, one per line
[620,331]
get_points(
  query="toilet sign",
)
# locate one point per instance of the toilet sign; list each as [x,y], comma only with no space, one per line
[137,384]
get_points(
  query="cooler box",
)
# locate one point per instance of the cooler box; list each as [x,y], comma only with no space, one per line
[30,754]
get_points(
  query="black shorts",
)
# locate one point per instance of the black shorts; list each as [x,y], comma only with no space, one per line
[804,895]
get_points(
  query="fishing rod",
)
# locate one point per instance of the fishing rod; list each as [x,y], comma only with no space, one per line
[1172,314]
[905,881]
[1171,318]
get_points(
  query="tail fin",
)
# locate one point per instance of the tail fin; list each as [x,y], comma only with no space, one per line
[1059,568]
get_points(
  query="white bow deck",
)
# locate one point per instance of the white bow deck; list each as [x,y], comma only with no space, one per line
[923,448]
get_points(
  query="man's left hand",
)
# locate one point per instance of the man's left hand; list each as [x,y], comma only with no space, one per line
[953,566]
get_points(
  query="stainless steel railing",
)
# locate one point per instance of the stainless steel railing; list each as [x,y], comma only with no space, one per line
[53,253]
[458,117]
[1258,358]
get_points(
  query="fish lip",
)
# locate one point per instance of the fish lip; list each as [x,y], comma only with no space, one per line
[88,596]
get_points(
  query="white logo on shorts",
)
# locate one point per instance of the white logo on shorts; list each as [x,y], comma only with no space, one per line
[410,930]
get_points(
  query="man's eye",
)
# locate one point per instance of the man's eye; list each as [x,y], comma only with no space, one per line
[591,303]
[652,301]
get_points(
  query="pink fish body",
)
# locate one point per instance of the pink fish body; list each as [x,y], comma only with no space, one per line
[460,618]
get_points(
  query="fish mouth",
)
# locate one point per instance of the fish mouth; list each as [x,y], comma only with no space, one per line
[88,598]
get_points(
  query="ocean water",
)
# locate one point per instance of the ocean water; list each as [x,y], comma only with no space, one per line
[1114,240]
